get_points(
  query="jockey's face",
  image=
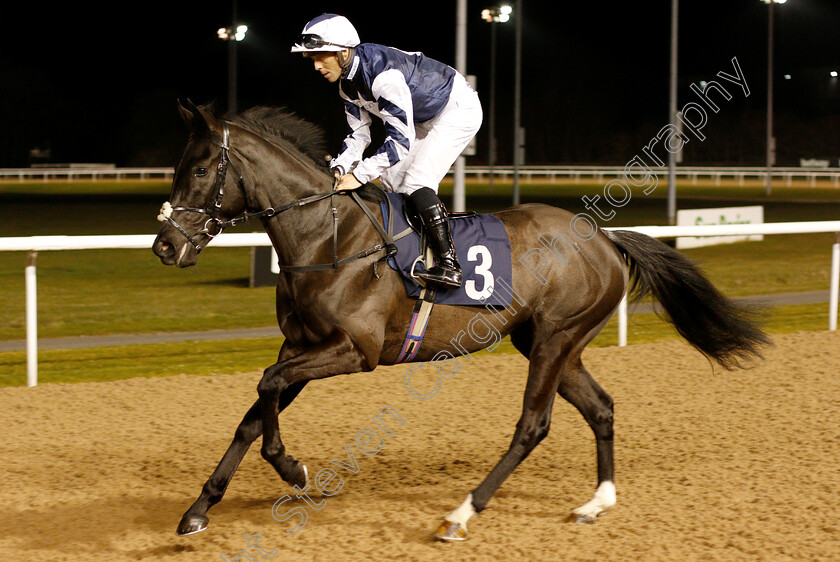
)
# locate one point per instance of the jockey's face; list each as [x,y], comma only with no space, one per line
[327,64]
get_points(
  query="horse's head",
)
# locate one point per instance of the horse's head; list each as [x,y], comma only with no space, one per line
[204,191]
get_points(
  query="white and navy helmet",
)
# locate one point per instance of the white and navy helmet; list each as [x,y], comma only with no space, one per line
[327,32]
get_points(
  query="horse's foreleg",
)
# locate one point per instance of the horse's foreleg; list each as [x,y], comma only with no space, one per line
[533,425]
[195,518]
[580,389]
[335,355]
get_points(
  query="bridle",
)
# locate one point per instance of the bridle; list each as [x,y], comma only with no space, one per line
[214,225]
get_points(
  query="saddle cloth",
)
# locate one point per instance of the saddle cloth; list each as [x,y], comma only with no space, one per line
[483,249]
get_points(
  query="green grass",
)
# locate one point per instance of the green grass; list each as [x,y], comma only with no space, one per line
[77,187]
[128,291]
[648,328]
[778,264]
[152,360]
[95,292]
[245,355]
[751,190]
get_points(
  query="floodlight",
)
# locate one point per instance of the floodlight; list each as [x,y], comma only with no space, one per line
[500,14]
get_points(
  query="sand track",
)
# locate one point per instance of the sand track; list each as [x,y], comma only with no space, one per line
[710,465]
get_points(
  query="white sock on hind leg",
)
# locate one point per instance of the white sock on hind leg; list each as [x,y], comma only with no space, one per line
[603,501]
[463,513]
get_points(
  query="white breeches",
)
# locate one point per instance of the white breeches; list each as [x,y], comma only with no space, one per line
[438,144]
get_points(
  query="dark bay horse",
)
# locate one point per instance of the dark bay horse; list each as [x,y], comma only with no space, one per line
[268,164]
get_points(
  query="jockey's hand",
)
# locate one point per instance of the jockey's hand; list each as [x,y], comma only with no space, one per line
[347,182]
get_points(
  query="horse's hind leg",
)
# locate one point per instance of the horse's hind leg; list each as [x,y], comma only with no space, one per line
[195,518]
[547,365]
[580,389]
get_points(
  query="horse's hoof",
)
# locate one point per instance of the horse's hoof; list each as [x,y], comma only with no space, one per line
[301,477]
[451,532]
[581,518]
[192,524]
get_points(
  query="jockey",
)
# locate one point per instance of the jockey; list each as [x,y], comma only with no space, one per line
[430,114]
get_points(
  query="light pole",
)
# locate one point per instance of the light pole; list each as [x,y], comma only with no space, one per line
[771,140]
[517,110]
[459,183]
[493,16]
[672,112]
[232,35]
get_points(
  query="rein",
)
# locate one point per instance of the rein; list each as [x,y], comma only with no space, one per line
[215,225]
[387,243]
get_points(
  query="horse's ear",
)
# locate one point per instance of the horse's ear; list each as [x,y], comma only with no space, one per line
[189,113]
[184,111]
[198,120]
[210,122]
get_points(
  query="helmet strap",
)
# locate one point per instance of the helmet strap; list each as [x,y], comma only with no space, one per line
[344,60]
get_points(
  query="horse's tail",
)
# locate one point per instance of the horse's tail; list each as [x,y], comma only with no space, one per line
[717,326]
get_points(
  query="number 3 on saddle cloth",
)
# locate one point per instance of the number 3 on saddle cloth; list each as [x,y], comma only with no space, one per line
[483,249]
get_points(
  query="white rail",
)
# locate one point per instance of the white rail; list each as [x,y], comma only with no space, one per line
[744,230]
[692,173]
[34,244]
[93,174]
[717,174]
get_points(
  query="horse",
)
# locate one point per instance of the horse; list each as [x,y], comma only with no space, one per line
[344,316]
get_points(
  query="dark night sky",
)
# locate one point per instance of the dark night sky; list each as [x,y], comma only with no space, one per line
[101,85]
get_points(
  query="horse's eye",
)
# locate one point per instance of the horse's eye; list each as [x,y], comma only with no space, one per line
[200,172]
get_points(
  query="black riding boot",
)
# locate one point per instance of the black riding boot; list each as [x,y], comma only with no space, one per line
[447,271]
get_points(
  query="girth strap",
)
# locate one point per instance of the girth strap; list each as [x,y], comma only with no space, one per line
[419,320]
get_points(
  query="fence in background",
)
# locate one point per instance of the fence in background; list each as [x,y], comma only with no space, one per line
[542,173]
[94,174]
[694,174]
[34,244]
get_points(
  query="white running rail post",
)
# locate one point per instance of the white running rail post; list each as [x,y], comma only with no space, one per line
[31,321]
[834,293]
[622,321]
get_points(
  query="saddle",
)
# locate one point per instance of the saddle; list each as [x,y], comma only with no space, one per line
[482,245]
[481,242]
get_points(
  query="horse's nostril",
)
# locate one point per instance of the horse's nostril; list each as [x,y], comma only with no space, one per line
[163,249]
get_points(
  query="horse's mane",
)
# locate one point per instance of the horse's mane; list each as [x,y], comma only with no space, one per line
[280,124]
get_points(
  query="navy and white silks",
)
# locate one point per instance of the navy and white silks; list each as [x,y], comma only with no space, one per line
[429,110]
